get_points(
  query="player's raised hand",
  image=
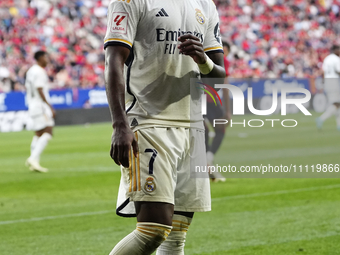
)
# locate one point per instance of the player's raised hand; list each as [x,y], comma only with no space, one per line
[191,46]
[122,141]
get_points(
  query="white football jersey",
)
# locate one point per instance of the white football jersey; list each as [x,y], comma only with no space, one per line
[157,75]
[331,66]
[36,77]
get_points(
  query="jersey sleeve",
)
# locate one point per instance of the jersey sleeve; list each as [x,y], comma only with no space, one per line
[212,41]
[122,21]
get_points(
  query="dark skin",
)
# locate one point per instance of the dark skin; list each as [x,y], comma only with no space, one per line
[123,138]
[43,62]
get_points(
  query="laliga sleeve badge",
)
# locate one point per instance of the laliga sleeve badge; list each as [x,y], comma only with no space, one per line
[119,22]
[199,16]
[150,185]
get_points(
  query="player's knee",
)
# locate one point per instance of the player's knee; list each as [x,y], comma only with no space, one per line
[220,130]
[47,136]
[49,130]
[152,234]
[176,240]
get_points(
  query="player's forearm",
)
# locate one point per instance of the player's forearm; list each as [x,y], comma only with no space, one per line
[217,72]
[115,90]
[42,95]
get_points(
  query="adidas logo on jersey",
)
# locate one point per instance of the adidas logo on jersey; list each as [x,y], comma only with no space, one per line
[162,13]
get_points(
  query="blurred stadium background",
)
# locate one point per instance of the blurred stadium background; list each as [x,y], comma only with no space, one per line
[268,38]
[70,210]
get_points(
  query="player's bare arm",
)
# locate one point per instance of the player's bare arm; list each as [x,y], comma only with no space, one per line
[192,46]
[122,137]
[42,95]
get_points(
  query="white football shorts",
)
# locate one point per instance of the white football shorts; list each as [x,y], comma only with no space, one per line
[332,89]
[41,115]
[162,172]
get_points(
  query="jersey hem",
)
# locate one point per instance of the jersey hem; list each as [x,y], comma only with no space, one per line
[214,51]
[213,48]
[146,198]
[113,43]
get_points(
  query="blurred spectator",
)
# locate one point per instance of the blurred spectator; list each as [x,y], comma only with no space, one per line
[71,31]
[269,38]
[5,82]
[279,38]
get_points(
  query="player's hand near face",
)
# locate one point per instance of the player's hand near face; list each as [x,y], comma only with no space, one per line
[122,141]
[192,46]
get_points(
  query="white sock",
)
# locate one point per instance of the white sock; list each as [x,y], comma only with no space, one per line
[338,117]
[142,241]
[174,244]
[40,146]
[329,112]
[34,142]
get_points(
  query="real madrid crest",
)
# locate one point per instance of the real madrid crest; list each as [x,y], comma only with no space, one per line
[199,16]
[150,185]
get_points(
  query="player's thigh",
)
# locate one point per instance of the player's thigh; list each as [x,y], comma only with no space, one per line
[43,122]
[332,90]
[192,193]
[48,130]
[157,212]
[333,97]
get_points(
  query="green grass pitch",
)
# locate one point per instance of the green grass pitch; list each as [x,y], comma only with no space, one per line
[71,209]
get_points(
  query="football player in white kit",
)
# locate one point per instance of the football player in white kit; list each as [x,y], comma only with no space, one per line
[331,78]
[152,50]
[39,108]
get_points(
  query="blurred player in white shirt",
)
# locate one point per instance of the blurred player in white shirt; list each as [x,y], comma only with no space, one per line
[331,70]
[40,109]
